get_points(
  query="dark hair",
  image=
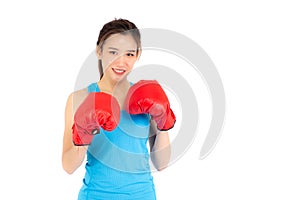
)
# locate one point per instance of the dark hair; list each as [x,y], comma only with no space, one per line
[121,26]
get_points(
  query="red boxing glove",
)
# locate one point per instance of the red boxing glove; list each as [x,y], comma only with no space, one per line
[147,96]
[98,109]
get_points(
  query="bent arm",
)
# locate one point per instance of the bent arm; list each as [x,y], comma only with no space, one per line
[160,147]
[72,156]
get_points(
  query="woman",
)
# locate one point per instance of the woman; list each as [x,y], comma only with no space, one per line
[117,156]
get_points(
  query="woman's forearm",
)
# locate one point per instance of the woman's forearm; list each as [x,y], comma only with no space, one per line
[73,158]
[161,151]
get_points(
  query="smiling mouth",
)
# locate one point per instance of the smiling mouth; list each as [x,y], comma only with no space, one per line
[119,71]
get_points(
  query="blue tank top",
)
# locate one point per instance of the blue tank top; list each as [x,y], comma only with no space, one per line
[117,166]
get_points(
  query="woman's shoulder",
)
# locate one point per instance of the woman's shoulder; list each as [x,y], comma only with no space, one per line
[79,93]
[92,87]
[75,98]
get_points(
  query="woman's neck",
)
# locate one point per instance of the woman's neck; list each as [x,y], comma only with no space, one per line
[110,86]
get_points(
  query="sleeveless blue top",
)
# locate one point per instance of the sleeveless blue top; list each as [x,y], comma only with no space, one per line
[117,166]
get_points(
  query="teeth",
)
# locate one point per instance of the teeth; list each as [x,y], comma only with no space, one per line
[119,70]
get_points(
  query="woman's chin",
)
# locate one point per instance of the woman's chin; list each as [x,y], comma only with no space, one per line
[119,78]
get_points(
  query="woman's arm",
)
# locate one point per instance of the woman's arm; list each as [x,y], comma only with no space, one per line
[72,156]
[160,147]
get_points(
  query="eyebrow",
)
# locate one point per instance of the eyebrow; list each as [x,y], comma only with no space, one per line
[113,48]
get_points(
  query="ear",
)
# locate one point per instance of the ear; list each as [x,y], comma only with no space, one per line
[139,54]
[98,52]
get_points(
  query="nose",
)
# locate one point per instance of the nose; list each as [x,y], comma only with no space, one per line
[122,60]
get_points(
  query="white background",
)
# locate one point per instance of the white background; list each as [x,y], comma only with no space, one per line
[255,46]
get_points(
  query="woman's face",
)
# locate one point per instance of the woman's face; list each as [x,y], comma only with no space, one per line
[118,55]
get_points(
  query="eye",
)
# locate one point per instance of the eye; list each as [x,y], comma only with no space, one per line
[113,52]
[130,54]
